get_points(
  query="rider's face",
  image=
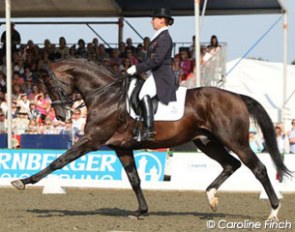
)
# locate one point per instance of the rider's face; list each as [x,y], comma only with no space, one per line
[158,23]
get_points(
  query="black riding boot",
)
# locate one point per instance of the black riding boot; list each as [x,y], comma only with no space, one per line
[148,116]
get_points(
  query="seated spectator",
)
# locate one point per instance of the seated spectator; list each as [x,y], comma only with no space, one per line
[3,82]
[122,49]
[90,52]
[101,53]
[47,127]
[20,123]
[68,130]
[95,43]
[130,55]
[17,79]
[214,46]
[32,127]
[116,69]
[185,65]
[255,142]
[291,137]
[23,103]
[22,51]
[42,105]
[125,65]
[72,52]
[205,56]
[33,113]
[51,114]
[34,92]
[281,137]
[63,50]
[3,102]
[140,53]
[78,122]
[16,91]
[52,55]
[129,45]
[3,122]
[115,57]
[14,109]
[81,50]
[190,81]
[106,62]
[176,67]
[19,65]
[30,48]
[47,46]
[28,75]
[3,65]
[46,58]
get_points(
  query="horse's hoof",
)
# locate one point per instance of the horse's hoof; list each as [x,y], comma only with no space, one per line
[138,215]
[213,203]
[274,214]
[18,184]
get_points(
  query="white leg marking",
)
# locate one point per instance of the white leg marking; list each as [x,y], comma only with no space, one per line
[213,200]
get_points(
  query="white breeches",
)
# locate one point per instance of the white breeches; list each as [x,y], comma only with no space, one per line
[148,88]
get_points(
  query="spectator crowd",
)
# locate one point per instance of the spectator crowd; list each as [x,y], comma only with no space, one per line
[31,107]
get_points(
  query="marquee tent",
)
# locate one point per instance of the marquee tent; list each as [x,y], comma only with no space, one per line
[263,81]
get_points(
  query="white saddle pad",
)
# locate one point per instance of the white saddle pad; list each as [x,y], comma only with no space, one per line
[171,112]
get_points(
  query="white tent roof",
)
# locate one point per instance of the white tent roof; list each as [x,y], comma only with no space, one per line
[264,82]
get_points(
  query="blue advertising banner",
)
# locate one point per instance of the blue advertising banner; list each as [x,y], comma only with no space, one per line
[100,165]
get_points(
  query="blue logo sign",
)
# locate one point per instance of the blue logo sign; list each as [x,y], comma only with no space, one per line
[100,165]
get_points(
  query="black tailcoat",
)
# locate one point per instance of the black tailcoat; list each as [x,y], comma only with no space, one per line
[159,62]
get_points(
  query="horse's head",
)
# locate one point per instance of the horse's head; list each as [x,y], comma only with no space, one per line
[59,91]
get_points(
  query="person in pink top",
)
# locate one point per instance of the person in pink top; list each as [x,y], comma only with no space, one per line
[42,105]
[185,65]
[34,92]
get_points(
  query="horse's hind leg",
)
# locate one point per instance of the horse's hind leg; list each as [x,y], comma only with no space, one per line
[127,159]
[215,150]
[250,159]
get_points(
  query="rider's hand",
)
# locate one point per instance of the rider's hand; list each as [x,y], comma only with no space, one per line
[132,70]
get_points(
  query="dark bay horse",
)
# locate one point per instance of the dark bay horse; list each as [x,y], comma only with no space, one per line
[217,121]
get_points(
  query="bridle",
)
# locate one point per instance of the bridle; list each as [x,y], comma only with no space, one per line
[65,100]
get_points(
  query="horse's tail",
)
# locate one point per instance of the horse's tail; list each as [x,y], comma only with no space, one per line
[260,116]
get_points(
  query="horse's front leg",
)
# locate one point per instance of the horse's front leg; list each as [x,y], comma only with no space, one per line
[127,159]
[83,146]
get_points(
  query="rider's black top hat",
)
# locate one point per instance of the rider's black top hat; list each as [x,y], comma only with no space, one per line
[163,12]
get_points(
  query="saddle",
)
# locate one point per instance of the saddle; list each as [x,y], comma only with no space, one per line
[172,112]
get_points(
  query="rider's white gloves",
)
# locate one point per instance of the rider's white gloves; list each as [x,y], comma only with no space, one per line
[132,70]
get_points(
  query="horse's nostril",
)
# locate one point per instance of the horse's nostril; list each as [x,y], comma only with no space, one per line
[58,118]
